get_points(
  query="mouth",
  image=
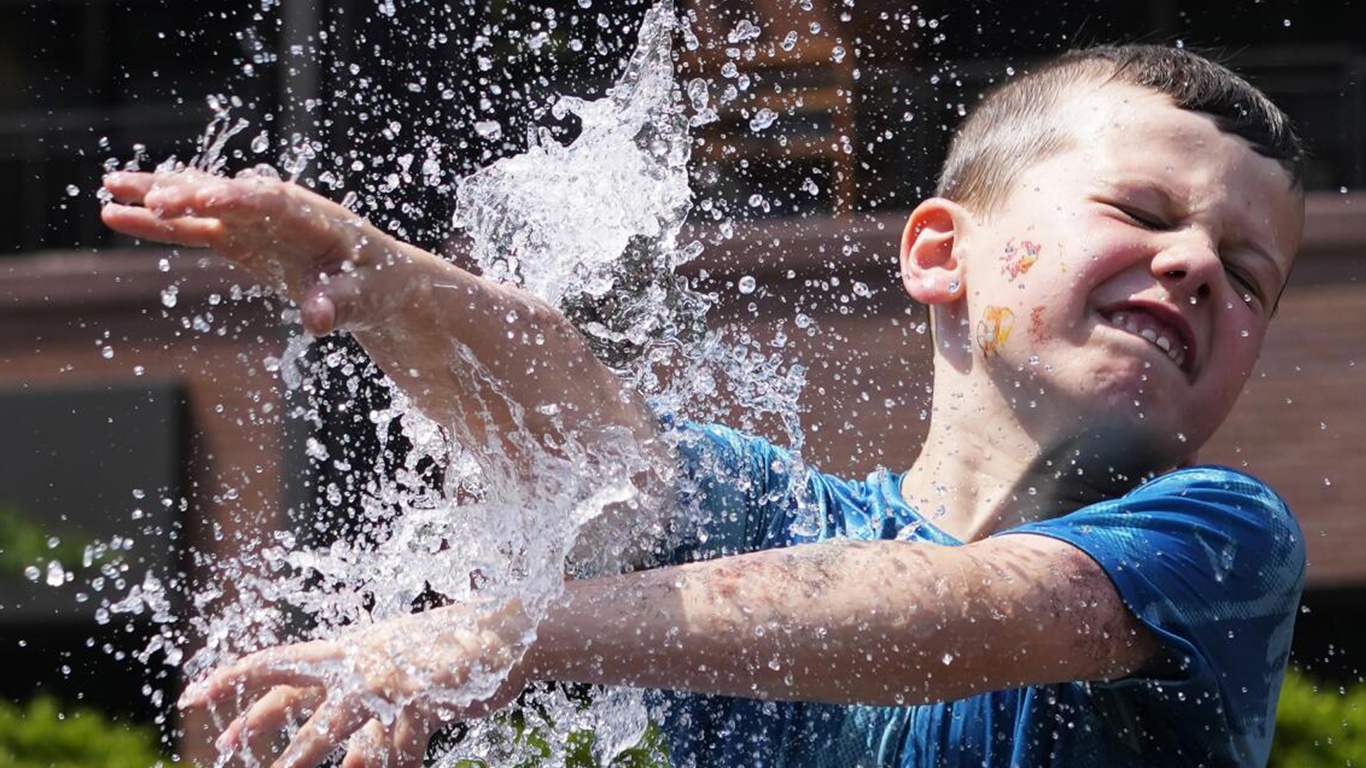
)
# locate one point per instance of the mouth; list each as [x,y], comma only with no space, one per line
[1165,334]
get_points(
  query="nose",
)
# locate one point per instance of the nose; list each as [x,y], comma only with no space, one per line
[1188,268]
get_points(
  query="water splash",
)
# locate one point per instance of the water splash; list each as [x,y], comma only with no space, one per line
[592,227]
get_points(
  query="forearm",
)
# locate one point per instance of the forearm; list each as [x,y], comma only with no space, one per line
[814,622]
[878,623]
[465,349]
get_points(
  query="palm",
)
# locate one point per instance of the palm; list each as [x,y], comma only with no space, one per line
[382,690]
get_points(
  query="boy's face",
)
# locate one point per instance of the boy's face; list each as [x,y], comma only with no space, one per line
[1129,280]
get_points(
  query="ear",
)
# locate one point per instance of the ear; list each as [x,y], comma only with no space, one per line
[930,268]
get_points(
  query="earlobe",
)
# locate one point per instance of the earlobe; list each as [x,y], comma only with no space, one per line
[930,269]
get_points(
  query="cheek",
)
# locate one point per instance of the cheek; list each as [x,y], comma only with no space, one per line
[1038,332]
[1018,257]
[994,329]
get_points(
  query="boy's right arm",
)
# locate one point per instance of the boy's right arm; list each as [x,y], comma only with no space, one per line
[467,351]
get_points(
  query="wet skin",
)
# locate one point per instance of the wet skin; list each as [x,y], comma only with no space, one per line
[1171,233]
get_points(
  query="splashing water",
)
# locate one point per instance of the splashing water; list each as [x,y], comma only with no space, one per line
[590,226]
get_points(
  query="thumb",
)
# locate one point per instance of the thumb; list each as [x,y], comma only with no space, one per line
[337,301]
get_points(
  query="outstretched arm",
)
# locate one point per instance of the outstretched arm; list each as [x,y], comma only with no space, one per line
[412,311]
[880,623]
[877,623]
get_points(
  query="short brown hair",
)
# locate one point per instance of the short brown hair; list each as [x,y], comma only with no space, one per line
[1016,124]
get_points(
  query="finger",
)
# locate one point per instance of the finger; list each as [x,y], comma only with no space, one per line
[330,726]
[285,665]
[368,748]
[408,742]
[146,225]
[257,730]
[178,194]
[129,187]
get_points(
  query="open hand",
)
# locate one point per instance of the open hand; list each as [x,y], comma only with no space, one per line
[381,691]
[298,243]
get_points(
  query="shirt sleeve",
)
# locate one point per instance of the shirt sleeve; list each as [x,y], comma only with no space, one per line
[1213,562]
[739,493]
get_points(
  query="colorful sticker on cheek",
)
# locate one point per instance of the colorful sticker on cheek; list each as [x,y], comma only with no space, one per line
[993,329]
[1036,330]
[1019,258]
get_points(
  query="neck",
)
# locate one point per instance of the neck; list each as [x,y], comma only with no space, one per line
[983,469]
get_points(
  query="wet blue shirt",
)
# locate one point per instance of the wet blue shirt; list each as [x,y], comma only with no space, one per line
[1208,557]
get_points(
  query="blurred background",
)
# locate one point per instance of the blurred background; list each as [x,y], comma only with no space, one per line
[141,413]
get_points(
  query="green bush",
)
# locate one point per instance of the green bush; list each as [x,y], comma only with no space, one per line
[1319,725]
[44,734]
[24,543]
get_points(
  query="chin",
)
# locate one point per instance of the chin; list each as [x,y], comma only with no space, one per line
[1135,428]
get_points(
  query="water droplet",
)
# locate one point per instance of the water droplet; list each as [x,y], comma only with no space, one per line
[745,30]
[32,573]
[762,119]
[261,143]
[747,284]
[56,575]
[947,659]
[72,190]
[169,295]
[790,41]
[489,129]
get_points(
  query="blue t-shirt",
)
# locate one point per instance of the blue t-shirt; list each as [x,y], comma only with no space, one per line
[1208,557]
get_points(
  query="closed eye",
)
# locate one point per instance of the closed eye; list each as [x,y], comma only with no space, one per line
[1246,285]
[1141,217]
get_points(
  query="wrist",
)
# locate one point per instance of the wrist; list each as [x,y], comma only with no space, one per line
[544,653]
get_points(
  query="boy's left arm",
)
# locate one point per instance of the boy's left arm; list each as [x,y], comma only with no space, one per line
[875,622]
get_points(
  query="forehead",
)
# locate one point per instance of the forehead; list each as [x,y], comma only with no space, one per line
[1127,134]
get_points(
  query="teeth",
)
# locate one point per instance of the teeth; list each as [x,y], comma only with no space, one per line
[1174,351]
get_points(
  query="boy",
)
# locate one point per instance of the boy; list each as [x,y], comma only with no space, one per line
[1110,238]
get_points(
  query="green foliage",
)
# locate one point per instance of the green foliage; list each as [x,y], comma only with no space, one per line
[531,725]
[1319,726]
[24,542]
[43,734]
